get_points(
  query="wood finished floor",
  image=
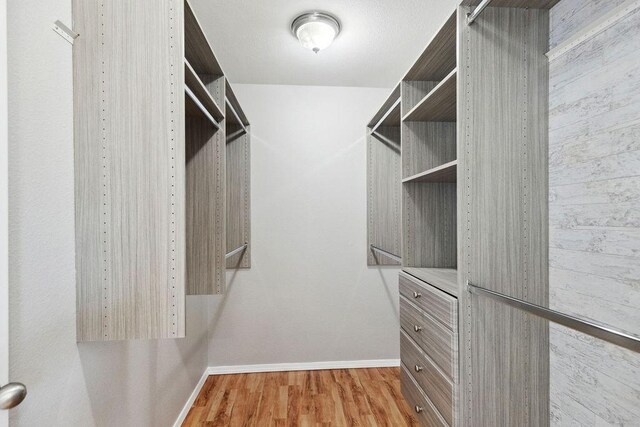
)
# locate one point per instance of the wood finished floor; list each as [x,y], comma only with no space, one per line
[340,397]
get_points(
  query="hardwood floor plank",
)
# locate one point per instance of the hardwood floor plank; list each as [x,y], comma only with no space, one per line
[340,397]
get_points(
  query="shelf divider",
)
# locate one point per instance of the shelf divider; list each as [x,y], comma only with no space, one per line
[439,105]
[198,88]
[443,173]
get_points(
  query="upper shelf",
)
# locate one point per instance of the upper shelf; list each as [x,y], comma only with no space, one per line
[443,173]
[528,4]
[194,108]
[389,113]
[197,49]
[439,57]
[439,105]
[235,115]
[194,83]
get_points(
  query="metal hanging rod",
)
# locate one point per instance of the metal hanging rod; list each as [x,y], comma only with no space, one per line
[595,329]
[235,114]
[201,107]
[477,11]
[236,251]
[385,253]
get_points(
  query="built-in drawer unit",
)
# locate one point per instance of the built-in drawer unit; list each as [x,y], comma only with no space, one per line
[428,376]
[423,409]
[440,305]
[435,339]
[429,350]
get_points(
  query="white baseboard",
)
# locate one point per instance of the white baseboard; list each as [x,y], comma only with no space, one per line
[194,395]
[280,367]
[311,366]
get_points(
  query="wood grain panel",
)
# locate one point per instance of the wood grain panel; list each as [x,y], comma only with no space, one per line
[129,169]
[238,185]
[429,225]
[529,4]
[423,408]
[427,145]
[195,84]
[445,279]
[386,106]
[440,305]
[206,198]
[439,105]
[383,195]
[445,173]
[437,341]
[439,389]
[439,57]
[502,179]
[198,51]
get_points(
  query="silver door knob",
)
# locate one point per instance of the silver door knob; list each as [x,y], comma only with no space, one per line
[11,395]
[417,328]
[417,294]
[418,368]
[418,409]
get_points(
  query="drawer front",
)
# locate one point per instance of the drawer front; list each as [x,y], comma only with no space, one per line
[422,408]
[437,341]
[438,388]
[442,306]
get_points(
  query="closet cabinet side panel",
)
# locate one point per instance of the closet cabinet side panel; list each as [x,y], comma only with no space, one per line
[503,208]
[239,199]
[383,195]
[206,200]
[129,169]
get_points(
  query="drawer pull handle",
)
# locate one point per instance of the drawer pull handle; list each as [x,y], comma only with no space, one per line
[417,294]
[418,409]
[418,368]
[417,328]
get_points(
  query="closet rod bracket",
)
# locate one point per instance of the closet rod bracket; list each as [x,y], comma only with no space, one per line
[65,32]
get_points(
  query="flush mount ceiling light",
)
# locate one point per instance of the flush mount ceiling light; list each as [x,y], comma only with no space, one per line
[315,30]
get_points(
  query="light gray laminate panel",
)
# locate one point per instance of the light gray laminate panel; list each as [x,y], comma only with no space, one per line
[129,169]
[414,92]
[442,306]
[438,388]
[423,409]
[238,184]
[383,195]
[445,279]
[502,182]
[206,196]
[427,145]
[436,340]
[198,51]
[439,105]
[394,96]
[429,225]
[445,173]
[439,57]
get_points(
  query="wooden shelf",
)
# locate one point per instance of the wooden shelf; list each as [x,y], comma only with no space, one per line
[194,83]
[444,173]
[235,115]
[389,113]
[445,279]
[194,108]
[197,49]
[439,105]
[527,4]
[439,57]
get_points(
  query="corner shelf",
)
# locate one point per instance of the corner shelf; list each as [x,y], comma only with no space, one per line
[439,105]
[444,173]
[445,279]
[389,114]
[198,88]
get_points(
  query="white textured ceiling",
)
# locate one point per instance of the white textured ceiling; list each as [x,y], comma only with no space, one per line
[380,39]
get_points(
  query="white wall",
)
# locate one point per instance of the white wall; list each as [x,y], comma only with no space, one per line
[309,295]
[143,383]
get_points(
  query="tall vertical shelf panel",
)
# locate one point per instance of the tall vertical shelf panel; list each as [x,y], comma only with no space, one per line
[205,166]
[129,114]
[503,211]
[150,168]
[238,153]
[383,183]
